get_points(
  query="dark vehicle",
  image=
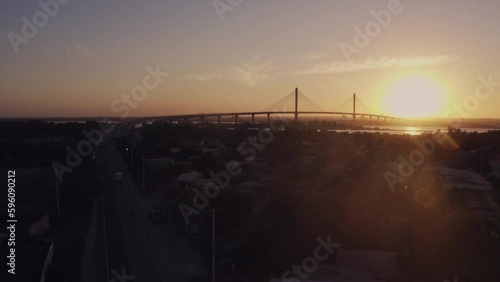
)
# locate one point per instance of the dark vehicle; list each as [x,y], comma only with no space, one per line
[118,177]
[195,231]
[157,213]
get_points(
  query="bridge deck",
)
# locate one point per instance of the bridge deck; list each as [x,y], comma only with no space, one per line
[234,114]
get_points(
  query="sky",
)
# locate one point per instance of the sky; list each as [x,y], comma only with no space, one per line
[244,55]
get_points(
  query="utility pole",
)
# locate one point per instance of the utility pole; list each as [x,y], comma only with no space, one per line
[267,189]
[144,173]
[213,244]
[213,241]
[481,164]
[57,198]
[169,218]
[102,168]
[132,150]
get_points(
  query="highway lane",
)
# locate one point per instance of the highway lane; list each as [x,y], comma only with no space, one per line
[121,244]
[130,242]
[111,252]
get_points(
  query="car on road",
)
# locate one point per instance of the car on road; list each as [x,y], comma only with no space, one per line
[157,213]
[118,177]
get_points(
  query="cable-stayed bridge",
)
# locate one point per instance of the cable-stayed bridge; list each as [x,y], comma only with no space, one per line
[294,103]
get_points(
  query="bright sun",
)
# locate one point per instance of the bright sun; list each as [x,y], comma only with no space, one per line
[414,97]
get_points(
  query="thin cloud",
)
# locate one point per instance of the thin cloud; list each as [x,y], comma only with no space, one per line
[78,49]
[204,77]
[249,73]
[312,56]
[380,63]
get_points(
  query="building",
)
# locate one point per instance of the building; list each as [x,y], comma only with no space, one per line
[185,180]
[471,188]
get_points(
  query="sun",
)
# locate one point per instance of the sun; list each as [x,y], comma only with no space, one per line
[414,97]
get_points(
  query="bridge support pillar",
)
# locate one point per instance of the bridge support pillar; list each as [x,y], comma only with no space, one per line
[253,118]
[296,105]
[354,109]
[269,119]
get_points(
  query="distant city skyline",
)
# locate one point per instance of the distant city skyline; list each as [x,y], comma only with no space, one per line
[404,58]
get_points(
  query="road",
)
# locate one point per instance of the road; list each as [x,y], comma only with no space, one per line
[124,246]
[123,243]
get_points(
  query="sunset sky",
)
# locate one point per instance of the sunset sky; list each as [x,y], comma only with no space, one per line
[429,56]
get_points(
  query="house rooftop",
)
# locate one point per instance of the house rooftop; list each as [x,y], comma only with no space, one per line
[189,177]
[462,179]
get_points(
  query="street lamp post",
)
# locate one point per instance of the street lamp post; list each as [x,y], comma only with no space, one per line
[57,199]
[213,241]
[144,173]
[213,245]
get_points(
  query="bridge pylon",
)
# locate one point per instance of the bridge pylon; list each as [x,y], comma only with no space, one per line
[296,104]
[354,109]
